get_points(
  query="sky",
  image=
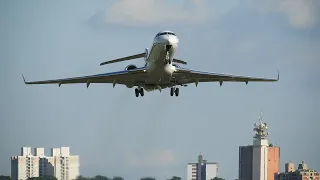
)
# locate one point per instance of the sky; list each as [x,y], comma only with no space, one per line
[117,134]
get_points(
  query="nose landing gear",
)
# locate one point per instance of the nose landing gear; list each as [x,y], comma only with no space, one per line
[175,91]
[168,47]
[167,59]
[139,91]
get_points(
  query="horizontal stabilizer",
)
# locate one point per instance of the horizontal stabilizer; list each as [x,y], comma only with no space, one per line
[179,61]
[136,56]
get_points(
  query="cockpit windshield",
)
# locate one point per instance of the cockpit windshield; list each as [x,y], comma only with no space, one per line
[164,33]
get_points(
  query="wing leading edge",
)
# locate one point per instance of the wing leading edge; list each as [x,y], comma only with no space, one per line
[119,77]
[191,76]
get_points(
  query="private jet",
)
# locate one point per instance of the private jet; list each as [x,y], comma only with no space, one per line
[161,71]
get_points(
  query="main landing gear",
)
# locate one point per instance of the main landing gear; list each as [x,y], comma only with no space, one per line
[175,91]
[139,91]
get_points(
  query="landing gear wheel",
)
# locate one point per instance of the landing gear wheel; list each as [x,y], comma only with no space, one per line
[139,91]
[171,91]
[142,92]
[174,91]
[177,92]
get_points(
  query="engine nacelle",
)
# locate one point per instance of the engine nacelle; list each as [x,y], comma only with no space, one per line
[130,67]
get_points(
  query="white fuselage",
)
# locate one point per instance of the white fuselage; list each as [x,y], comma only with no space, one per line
[159,72]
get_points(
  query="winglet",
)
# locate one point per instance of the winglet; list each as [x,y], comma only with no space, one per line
[278,75]
[24,79]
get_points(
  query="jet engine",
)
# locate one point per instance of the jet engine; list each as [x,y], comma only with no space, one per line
[131,66]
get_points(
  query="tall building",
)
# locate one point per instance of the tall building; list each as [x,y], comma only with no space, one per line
[289,167]
[24,166]
[261,160]
[60,164]
[245,162]
[273,161]
[302,173]
[202,170]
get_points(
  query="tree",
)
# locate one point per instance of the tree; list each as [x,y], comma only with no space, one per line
[175,178]
[43,178]
[99,177]
[148,178]
[83,178]
[5,177]
[117,178]
[217,178]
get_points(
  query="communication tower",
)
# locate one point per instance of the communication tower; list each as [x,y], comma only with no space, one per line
[260,151]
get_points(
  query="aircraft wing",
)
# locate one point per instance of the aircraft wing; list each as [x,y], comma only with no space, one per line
[186,76]
[133,76]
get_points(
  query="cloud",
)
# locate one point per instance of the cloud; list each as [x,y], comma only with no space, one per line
[300,13]
[151,159]
[149,12]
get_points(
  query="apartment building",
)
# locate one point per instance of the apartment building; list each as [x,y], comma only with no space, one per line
[202,170]
[61,164]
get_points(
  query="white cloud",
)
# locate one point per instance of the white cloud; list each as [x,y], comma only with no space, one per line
[149,12]
[300,13]
[151,159]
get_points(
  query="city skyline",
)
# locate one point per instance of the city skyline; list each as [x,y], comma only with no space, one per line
[210,169]
[117,134]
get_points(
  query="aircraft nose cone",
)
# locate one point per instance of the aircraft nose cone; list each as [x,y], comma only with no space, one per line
[168,41]
[172,40]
